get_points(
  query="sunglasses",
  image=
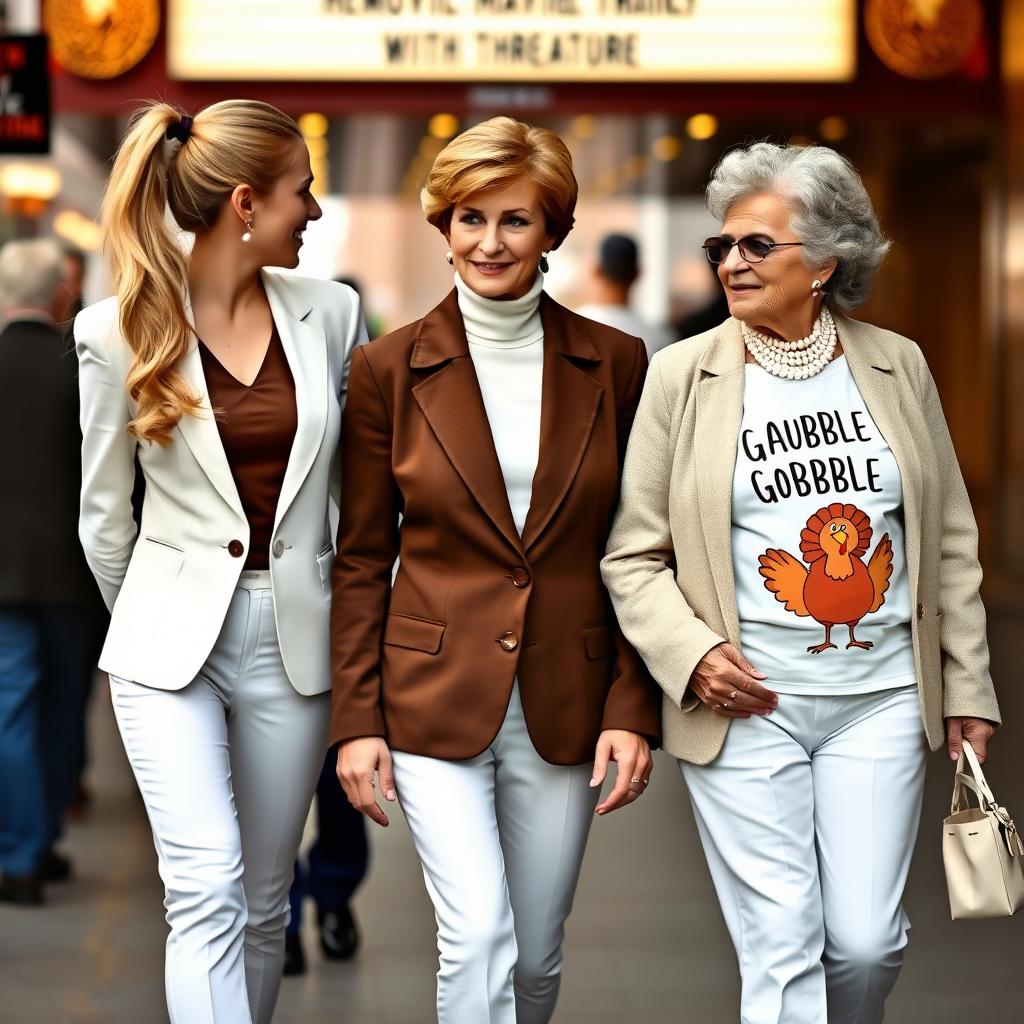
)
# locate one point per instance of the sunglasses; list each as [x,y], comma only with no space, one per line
[753,248]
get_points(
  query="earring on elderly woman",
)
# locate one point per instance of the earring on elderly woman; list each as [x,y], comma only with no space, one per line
[543,263]
[817,289]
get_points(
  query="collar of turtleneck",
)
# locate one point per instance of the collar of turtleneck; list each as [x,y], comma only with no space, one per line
[501,323]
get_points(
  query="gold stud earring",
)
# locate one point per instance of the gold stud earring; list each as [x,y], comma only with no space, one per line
[247,237]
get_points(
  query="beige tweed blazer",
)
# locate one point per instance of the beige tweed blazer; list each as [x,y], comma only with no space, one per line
[669,562]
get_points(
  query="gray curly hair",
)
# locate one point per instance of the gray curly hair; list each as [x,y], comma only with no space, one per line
[831,211]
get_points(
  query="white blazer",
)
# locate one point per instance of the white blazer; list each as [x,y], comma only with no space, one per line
[168,588]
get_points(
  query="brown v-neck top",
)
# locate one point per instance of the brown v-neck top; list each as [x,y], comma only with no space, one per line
[257,425]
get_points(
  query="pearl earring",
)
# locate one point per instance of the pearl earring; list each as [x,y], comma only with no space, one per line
[544,267]
[247,237]
[450,258]
[816,288]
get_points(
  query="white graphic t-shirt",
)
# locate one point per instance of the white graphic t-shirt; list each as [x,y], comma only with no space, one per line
[817,538]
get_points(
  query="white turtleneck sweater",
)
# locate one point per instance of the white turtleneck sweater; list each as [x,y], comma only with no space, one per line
[506,343]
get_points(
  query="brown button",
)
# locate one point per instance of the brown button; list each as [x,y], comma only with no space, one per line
[236,549]
[509,641]
[520,578]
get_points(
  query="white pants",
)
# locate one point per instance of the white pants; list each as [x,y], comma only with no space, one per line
[808,819]
[226,767]
[501,840]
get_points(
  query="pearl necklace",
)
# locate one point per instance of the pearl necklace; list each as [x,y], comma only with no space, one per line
[794,360]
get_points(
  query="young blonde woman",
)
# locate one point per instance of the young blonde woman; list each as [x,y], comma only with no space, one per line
[227,382]
[490,684]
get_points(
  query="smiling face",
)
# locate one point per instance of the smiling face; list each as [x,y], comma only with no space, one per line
[280,217]
[774,294]
[497,238]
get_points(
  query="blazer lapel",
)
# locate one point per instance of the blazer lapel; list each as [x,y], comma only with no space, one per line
[877,382]
[453,406]
[305,348]
[569,404]
[716,432]
[200,430]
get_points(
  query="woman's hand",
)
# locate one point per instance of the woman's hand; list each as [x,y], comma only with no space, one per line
[977,731]
[730,685]
[357,761]
[634,764]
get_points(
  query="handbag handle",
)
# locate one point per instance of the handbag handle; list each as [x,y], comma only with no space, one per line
[978,784]
[981,786]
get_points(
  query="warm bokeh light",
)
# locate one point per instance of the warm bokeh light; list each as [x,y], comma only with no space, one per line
[702,126]
[583,126]
[313,126]
[443,126]
[81,232]
[666,148]
[833,129]
[30,181]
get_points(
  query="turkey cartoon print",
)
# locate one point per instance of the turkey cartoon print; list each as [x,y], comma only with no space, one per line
[837,588]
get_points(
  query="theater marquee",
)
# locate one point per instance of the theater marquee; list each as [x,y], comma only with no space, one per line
[514,40]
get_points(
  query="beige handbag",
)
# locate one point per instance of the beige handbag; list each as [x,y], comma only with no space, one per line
[981,849]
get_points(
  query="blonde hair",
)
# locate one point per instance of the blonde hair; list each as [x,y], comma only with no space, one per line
[230,143]
[497,153]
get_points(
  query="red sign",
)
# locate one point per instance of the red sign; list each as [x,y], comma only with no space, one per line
[24,95]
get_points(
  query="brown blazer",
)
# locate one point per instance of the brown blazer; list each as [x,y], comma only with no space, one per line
[429,661]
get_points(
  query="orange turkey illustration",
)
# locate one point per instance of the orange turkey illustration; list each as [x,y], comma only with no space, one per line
[837,588]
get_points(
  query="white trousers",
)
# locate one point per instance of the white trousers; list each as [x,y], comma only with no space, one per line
[808,819]
[226,767]
[501,840]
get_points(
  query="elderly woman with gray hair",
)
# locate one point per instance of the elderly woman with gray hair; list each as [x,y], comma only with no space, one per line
[795,558]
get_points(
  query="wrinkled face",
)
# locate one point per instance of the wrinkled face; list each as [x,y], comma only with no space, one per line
[497,238]
[839,537]
[279,218]
[776,291]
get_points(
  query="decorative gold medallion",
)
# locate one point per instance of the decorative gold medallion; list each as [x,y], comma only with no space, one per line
[101,38]
[923,38]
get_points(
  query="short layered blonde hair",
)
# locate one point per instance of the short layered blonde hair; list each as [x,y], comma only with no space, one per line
[494,154]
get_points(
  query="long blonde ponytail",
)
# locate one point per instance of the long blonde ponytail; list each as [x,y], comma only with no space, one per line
[231,143]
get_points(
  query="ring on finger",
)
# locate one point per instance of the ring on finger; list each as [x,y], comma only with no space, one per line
[726,705]
[733,695]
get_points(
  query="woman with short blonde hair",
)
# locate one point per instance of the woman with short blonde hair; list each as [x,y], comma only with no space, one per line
[226,381]
[489,683]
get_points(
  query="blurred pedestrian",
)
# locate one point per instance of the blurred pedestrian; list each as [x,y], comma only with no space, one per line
[74,282]
[51,617]
[227,380]
[801,430]
[711,314]
[335,866]
[614,274]
[329,874]
[481,450]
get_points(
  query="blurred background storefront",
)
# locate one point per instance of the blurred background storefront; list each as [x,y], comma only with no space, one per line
[925,96]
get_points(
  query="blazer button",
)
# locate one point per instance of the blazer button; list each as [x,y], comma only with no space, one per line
[520,578]
[236,549]
[278,548]
[509,641]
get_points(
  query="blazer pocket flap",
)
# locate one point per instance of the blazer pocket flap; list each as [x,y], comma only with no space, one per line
[599,641]
[415,634]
